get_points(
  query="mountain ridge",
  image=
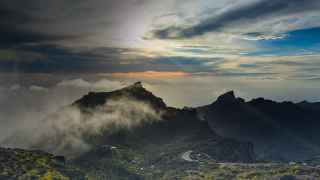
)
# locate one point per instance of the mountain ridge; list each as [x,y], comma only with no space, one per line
[176,123]
[265,123]
[93,99]
[279,126]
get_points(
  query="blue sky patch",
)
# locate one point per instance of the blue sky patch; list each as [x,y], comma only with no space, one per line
[298,42]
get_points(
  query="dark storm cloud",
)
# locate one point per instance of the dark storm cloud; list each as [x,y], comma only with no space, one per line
[14,22]
[179,60]
[275,63]
[63,60]
[245,13]
[190,64]
[233,74]
[10,27]
[56,59]
[35,21]
[11,37]
[63,36]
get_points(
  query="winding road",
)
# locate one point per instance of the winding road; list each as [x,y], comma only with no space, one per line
[186,156]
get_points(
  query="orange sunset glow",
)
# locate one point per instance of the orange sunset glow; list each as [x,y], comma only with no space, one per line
[152,74]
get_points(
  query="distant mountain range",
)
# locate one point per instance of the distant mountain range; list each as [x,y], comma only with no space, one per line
[277,131]
[179,128]
[267,129]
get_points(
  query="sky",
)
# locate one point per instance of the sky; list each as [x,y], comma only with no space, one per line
[187,52]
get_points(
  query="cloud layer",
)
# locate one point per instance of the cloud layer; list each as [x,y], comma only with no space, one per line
[140,36]
[240,14]
[66,131]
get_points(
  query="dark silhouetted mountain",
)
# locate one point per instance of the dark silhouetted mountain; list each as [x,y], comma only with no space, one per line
[306,104]
[279,131]
[136,91]
[228,130]
[181,127]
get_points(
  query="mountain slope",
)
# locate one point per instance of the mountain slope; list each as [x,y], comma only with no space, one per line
[279,131]
[176,125]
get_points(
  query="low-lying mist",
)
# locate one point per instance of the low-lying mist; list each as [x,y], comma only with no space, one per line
[60,128]
[64,132]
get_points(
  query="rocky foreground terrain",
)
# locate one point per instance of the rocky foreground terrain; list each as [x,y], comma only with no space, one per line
[228,139]
[23,164]
[124,163]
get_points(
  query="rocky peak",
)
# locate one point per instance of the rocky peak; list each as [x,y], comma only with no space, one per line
[137,85]
[227,98]
[136,91]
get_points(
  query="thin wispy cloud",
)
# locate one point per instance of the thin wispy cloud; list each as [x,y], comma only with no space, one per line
[244,13]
